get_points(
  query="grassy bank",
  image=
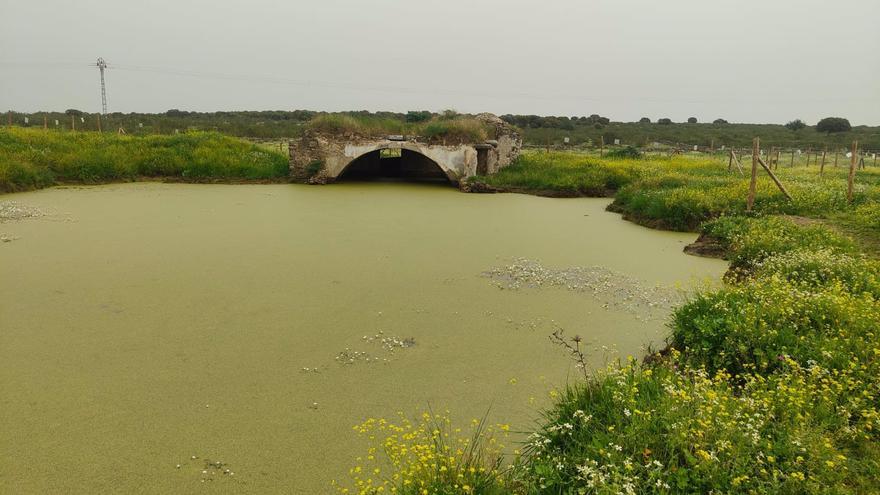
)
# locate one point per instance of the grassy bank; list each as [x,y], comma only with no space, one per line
[31,159]
[770,384]
[681,192]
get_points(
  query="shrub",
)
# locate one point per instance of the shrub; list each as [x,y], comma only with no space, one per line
[625,152]
[664,121]
[644,120]
[692,120]
[747,327]
[719,121]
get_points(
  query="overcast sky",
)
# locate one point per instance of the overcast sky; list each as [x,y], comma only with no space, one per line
[742,60]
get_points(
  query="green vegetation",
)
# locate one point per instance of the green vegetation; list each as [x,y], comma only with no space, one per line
[537,130]
[551,131]
[430,455]
[681,192]
[31,159]
[314,167]
[833,124]
[770,384]
[447,127]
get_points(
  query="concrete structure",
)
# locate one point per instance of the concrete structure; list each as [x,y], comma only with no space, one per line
[319,158]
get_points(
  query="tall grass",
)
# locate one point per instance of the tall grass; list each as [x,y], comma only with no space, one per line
[439,129]
[32,159]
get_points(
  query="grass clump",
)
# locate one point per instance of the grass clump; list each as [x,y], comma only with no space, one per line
[465,130]
[564,172]
[342,124]
[31,159]
[429,455]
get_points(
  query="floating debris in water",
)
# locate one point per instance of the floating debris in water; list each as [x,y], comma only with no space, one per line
[8,238]
[208,469]
[612,289]
[388,343]
[10,210]
[348,356]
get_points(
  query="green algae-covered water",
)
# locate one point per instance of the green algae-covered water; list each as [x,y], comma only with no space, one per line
[144,324]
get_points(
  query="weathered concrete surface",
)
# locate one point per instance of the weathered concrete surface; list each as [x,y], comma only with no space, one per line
[319,158]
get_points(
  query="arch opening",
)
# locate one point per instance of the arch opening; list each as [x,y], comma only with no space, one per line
[393,164]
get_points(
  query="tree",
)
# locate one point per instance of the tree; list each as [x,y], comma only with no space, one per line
[692,120]
[644,120]
[74,112]
[719,121]
[418,115]
[833,124]
[795,125]
[664,121]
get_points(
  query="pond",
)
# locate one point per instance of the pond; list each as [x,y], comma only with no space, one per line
[145,324]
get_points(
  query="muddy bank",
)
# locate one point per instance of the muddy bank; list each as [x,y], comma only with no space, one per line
[483,188]
[707,247]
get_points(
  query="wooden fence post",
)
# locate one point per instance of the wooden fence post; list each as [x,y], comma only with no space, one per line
[601,146]
[45,121]
[775,179]
[791,164]
[72,123]
[756,143]
[736,162]
[822,166]
[852,172]
[835,158]
[99,122]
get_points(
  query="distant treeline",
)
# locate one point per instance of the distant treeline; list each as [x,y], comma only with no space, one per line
[537,130]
